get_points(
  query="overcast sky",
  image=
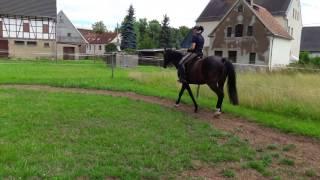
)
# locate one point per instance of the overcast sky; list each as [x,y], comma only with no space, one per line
[181,12]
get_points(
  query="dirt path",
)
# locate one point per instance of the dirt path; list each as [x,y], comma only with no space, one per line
[303,150]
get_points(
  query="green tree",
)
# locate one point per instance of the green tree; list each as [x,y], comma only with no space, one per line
[99,27]
[165,35]
[154,32]
[128,31]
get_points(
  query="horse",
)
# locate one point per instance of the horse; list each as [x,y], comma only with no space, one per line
[212,71]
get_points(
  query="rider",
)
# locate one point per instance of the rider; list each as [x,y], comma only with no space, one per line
[194,52]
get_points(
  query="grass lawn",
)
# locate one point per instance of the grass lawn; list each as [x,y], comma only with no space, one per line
[288,101]
[61,135]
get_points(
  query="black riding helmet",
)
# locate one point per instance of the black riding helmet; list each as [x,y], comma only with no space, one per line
[198,28]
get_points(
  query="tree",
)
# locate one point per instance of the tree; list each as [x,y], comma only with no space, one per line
[128,32]
[184,31]
[165,35]
[99,27]
[154,32]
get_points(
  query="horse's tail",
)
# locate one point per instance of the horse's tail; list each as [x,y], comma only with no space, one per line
[232,88]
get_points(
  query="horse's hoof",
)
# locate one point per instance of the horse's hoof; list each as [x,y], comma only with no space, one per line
[217,114]
[176,105]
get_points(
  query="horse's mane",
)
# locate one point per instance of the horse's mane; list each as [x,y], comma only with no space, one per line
[174,54]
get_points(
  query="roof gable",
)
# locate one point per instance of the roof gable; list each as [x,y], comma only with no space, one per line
[64,27]
[310,39]
[264,17]
[216,9]
[37,8]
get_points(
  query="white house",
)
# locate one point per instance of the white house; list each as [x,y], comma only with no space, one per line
[98,41]
[249,34]
[27,28]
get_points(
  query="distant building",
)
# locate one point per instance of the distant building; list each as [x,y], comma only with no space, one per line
[69,40]
[310,40]
[27,28]
[98,41]
[286,12]
[249,34]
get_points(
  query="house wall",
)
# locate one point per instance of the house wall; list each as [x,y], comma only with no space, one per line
[258,43]
[25,51]
[295,26]
[314,54]
[280,49]
[13,28]
[94,49]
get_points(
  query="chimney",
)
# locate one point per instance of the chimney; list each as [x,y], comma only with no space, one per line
[250,2]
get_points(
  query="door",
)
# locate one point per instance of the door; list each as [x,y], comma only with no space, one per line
[68,53]
[4,49]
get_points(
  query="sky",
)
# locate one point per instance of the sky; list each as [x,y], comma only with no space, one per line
[83,13]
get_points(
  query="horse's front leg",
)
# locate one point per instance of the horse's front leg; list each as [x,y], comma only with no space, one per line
[183,88]
[192,97]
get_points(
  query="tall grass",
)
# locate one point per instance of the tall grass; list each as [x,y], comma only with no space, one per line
[285,100]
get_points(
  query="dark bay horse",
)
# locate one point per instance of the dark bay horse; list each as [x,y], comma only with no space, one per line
[212,71]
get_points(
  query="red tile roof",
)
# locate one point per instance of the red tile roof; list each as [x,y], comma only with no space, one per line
[96,38]
[270,22]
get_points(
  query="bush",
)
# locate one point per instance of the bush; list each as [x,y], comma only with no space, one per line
[111,48]
[304,58]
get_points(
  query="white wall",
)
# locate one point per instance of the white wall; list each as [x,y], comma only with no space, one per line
[314,54]
[93,49]
[295,26]
[280,54]
[13,28]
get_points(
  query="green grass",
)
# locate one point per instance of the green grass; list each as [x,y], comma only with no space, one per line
[287,101]
[64,136]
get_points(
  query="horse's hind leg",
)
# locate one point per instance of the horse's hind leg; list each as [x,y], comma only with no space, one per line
[180,94]
[219,91]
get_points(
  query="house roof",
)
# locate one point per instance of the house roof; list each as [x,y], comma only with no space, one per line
[216,9]
[310,39]
[96,38]
[38,8]
[266,18]
[270,22]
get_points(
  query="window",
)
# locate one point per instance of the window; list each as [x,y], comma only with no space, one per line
[21,43]
[46,45]
[233,56]
[32,43]
[240,8]
[45,28]
[218,53]
[229,31]
[26,27]
[250,31]
[1,29]
[252,59]
[100,47]
[239,30]
[69,34]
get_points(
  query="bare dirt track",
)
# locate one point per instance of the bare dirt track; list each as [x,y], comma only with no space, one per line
[304,151]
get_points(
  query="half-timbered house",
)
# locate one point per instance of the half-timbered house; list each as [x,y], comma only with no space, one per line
[28,28]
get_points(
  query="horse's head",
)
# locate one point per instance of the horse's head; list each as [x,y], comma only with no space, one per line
[171,56]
